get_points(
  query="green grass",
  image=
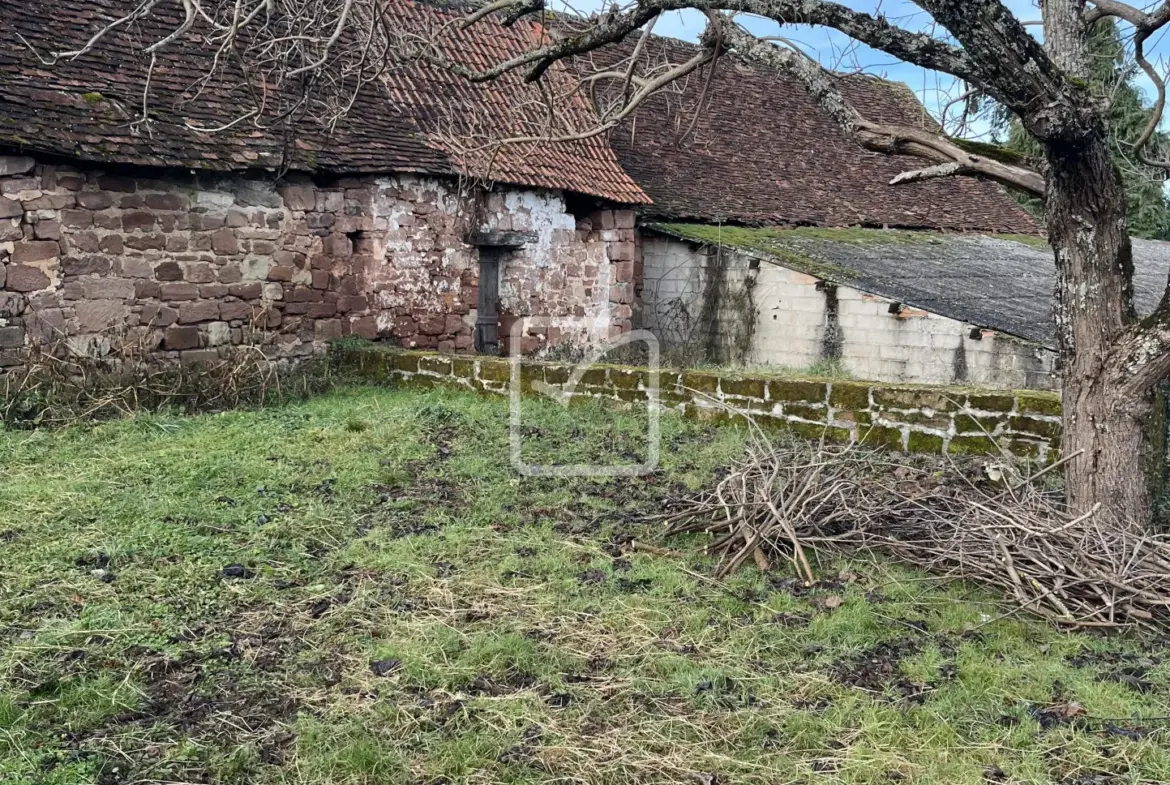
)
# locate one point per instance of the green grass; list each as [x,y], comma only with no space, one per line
[519,642]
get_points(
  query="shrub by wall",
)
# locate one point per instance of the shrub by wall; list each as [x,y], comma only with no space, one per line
[932,420]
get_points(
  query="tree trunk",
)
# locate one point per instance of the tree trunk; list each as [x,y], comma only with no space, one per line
[1093,311]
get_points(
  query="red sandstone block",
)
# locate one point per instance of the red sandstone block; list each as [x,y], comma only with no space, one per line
[198,311]
[158,315]
[133,221]
[404,326]
[364,327]
[34,251]
[621,252]
[327,329]
[94,200]
[223,241]
[111,244]
[178,291]
[304,294]
[623,272]
[181,338]
[234,310]
[246,291]
[338,245]
[167,201]
[25,279]
[298,197]
[10,208]
[431,323]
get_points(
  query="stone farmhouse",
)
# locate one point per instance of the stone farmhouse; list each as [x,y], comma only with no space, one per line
[731,217]
[190,241]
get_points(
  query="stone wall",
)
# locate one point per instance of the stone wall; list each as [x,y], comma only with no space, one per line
[934,420]
[765,313]
[188,264]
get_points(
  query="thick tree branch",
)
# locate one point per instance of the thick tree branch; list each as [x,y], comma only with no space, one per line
[916,48]
[1015,70]
[949,157]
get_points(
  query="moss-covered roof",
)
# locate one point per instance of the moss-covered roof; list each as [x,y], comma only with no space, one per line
[1001,282]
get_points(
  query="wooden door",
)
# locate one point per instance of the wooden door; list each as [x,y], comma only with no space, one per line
[487,321]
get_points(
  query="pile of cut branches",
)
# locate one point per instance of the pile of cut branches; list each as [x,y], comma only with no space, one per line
[784,499]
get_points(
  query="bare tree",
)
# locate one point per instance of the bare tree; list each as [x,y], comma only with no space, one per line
[1112,361]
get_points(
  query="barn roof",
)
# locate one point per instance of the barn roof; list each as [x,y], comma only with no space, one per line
[999,282]
[744,144]
[419,119]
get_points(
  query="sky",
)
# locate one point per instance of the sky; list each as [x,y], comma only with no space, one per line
[838,51]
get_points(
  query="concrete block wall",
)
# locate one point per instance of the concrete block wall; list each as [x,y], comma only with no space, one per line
[188,265]
[921,419]
[795,314]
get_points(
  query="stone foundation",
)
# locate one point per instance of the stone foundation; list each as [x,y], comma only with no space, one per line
[919,419]
[187,264]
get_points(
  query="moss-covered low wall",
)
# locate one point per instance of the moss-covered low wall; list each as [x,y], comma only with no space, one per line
[937,420]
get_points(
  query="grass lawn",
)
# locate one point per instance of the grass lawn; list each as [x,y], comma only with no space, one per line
[359,589]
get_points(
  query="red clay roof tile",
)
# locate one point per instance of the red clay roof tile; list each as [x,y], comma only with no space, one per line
[761,152]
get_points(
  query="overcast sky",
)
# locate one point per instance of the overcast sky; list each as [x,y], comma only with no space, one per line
[836,50]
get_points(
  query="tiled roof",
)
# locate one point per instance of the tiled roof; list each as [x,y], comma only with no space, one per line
[1003,283]
[87,108]
[759,151]
[461,115]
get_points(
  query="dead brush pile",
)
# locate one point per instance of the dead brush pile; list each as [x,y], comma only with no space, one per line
[785,499]
[57,386]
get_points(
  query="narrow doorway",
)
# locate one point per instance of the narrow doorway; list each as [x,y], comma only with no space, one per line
[487,320]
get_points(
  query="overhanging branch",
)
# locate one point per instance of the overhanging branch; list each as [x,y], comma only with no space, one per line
[949,158]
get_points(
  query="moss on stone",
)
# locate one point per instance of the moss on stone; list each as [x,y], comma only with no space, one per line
[914,398]
[494,370]
[796,391]
[859,417]
[557,374]
[1039,403]
[406,362]
[370,366]
[625,378]
[966,423]
[530,373]
[419,382]
[991,402]
[435,364]
[702,382]
[805,412]
[882,436]
[844,395]
[745,388]
[595,377]
[632,394]
[973,445]
[939,422]
[1048,429]
[925,443]
[92,98]
[463,367]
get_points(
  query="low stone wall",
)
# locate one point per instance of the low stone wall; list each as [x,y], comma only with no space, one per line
[932,420]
